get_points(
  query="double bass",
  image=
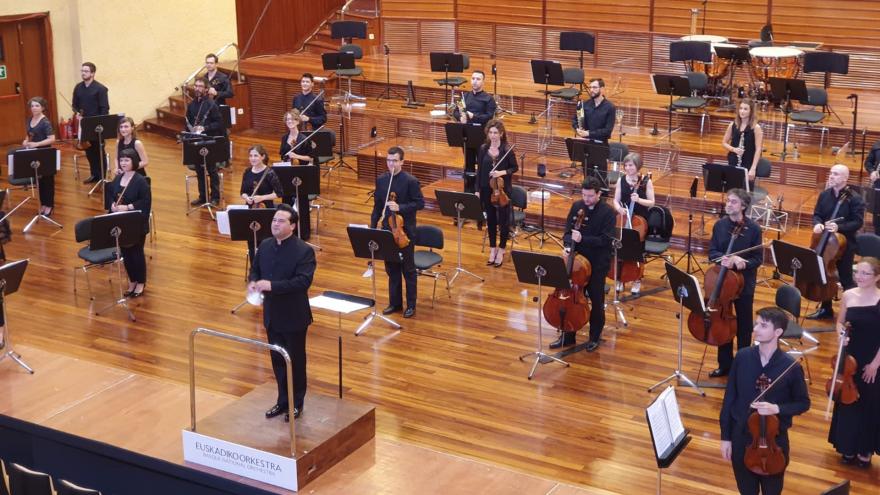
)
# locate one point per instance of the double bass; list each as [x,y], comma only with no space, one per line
[568,309]
[764,456]
[718,325]
[630,271]
[841,387]
[830,247]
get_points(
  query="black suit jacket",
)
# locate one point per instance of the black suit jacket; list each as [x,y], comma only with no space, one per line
[290,266]
[597,231]
[409,198]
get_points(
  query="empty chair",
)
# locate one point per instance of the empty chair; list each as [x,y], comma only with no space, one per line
[456,81]
[616,152]
[816,97]
[430,237]
[575,77]
[519,200]
[762,171]
[92,257]
[868,245]
[657,239]
[788,298]
[24,481]
[699,81]
[67,488]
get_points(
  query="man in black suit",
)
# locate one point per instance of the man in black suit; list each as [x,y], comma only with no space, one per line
[219,87]
[409,201]
[203,117]
[315,114]
[90,100]
[282,270]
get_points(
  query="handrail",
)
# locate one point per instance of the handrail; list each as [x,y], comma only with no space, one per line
[219,52]
[242,340]
[341,11]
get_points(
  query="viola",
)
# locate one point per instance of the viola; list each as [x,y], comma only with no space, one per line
[396,224]
[764,456]
[568,309]
[830,247]
[499,196]
[630,271]
[841,387]
[718,325]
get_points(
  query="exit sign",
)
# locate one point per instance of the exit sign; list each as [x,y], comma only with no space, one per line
[2,72]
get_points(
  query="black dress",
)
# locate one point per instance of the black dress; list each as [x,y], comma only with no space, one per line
[626,191]
[136,158]
[303,207]
[269,185]
[37,133]
[749,147]
[855,428]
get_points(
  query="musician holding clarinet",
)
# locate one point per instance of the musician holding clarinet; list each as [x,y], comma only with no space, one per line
[744,139]
[203,117]
[310,106]
[497,163]
[130,191]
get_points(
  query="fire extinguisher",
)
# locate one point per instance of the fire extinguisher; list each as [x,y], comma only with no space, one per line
[64,128]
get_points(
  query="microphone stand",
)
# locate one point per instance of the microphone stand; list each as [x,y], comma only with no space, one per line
[852,150]
[705,11]
[386,94]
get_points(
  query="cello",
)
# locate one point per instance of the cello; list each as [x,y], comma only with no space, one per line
[841,387]
[830,247]
[568,309]
[764,456]
[630,271]
[718,325]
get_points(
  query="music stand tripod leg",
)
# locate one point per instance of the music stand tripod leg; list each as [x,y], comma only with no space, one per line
[6,345]
[677,374]
[373,313]
[460,269]
[539,352]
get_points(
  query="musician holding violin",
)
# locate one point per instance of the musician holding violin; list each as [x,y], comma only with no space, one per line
[633,195]
[765,390]
[497,164]
[259,184]
[398,197]
[722,250]
[592,241]
[295,147]
[849,218]
[130,191]
[310,106]
[855,426]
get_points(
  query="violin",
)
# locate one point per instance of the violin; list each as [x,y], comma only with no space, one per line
[841,387]
[396,224]
[830,247]
[568,309]
[764,456]
[630,271]
[499,196]
[718,325]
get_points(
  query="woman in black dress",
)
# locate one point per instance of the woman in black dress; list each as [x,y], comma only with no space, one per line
[39,135]
[744,139]
[130,191]
[269,188]
[855,428]
[497,217]
[126,138]
[289,141]
[633,188]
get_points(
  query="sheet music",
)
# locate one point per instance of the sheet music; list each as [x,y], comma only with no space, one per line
[223,219]
[670,402]
[337,305]
[660,431]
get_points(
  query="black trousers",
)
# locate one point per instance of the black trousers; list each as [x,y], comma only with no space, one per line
[595,291]
[47,191]
[135,262]
[744,325]
[305,218]
[215,181]
[295,345]
[470,170]
[495,218]
[844,271]
[406,270]
[97,164]
[748,482]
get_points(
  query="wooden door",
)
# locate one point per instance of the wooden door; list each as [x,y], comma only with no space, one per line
[26,61]
[11,88]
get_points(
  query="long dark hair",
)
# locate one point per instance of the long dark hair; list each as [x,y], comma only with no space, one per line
[497,124]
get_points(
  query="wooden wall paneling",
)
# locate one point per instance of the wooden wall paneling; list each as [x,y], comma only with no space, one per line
[519,11]
[730,18]
[437,36]
[476,38]
[283,28]
[269,99]
[627,15]
[418,9]
[841,22]
[864,65]
[515,41]
[660,63]
[625,52]
[401,36]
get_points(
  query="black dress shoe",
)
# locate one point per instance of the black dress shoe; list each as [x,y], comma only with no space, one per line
[562,341]
[276,410]
[821,314]
[297,412]
[718,373]
[409,313]
[215,202]
[90,180]
[197,202]
[592,345]
[391,309]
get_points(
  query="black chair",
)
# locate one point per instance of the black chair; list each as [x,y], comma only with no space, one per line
[762,171]
[67,488]
[519,200]
[456,81]
[699,81]
[430,237]
[868,245]
[93,258]
[617,151]
[659,235]
[575,77]
[24,481]
[841,488]
[788,298]
[816,97]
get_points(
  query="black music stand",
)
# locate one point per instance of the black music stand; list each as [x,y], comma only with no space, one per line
[627,247]
[200,152]
[721,177]
[799,263]
[96,129]
[672,85]
[11,275]
[461,206]
[227,113]
[251,225]
[841,488]
[374,244]
[300,180]
[446,62]
[577,41]
[348,29]
[547,72]
[686,291]
[829,63]
[114,230]
[341,304]
[33,164]
[784,90]
[540,269]
[666,457]
[690,51]
[592,156]
[736,56]
[465,136]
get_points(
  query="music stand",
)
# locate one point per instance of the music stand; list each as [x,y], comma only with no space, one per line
[11,275]
[461,206]
[577,41]
[827,62]
[341,304]
[114,230]
[627,247]
[736,57]
[672,85]
[348,29]
[34,164]
[95,129]
[721,177]
[296,180]
[799,263]
[685,290]
[465,136]
[446,62]
[205,150]
[374,244]
[252,225]
[540,269]
[592,156]
[784,90]
[547,72]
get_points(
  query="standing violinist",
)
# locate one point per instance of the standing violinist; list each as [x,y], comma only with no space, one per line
[633,189]
[494,149]
[738,201]
[592,241]
[850,218]
[786,399]
[855,427]
[409,201]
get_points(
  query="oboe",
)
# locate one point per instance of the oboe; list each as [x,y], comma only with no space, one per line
[119,199]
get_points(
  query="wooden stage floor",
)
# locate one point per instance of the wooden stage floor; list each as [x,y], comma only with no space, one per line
[449,381]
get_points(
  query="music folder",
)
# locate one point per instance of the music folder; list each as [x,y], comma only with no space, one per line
[668,433]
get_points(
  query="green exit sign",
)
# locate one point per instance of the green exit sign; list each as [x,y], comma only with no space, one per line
[2,72]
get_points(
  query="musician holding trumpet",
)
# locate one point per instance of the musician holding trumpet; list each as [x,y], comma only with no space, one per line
[130,191]
[259,184]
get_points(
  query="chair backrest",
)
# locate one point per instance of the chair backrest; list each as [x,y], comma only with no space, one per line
[67,488]
[83,230]
[24,481]
[466,59]
[573,75]
[429,236]
[868,245]
[660,223]
[697,80]
[353,49]
[616,151]
[519,197]
[788,297]
[763,169]
[816,97]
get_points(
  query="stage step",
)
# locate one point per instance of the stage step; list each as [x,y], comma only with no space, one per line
[163,127]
